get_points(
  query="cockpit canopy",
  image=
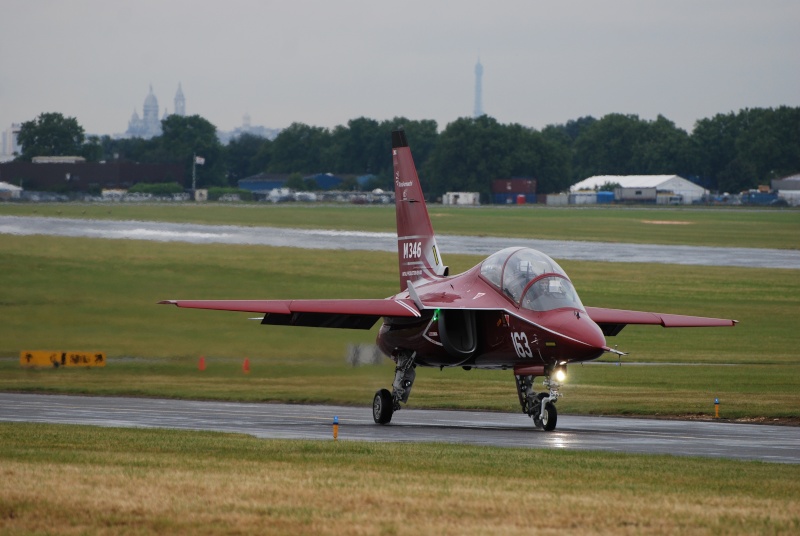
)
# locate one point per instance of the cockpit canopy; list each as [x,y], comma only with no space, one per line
[531,279]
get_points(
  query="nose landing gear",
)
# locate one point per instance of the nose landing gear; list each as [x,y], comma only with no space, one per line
[541,407]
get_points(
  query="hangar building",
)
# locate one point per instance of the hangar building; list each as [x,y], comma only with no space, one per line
[688,190]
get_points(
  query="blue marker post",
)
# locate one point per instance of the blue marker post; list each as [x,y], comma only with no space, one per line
[336,428]
[716,408]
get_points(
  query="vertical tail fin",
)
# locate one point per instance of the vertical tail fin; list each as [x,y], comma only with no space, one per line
[416,243]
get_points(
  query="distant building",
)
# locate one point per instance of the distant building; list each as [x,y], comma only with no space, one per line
[787,183]
[788,189]
[516,191]
[263,183]
[247,128]
[478,111]
[56,175]
[149,125]
[9,191]
[180,102]
[680,188]
[461,198]
[9,141]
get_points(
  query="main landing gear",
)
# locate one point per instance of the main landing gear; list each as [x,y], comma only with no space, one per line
[385,403]
[541,407]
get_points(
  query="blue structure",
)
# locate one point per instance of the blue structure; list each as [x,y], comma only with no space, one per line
[326,181]
[514,199]
[263,182]
[605,198]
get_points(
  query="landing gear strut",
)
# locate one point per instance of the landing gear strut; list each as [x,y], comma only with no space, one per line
[541,407]
[384,404]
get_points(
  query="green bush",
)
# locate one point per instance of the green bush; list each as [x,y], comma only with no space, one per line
[164,188]
[215,193]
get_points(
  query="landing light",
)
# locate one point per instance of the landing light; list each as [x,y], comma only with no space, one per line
[561,375]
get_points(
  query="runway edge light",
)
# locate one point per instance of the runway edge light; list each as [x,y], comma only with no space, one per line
[335,427]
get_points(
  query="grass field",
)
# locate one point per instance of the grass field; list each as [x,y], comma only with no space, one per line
[92,294]
[729,227]
[83,480]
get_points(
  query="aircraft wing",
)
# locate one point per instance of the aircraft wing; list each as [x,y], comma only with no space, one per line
[352,314]
[611,321]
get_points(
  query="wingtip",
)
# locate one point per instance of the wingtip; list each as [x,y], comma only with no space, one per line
[168,302]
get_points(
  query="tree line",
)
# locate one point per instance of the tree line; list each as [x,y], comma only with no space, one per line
[728,152]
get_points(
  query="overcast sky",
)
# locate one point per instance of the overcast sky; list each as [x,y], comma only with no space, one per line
[325,62]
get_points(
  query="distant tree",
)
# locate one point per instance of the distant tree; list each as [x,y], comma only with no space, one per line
[608,186]
[358,147]
[570,131]
[130,149]
[260,162]
[661,149]
[349,184]
[621,144]
[471,152]
[296,182]
[769,143]
[92,150]
[242,157]
[738,151]
[300,148]
[50,134]
[607,146]
[185,137]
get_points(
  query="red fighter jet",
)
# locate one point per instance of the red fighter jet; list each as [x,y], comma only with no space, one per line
[517,310]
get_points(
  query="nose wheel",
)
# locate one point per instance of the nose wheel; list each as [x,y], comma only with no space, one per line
[548,417]
[540,407]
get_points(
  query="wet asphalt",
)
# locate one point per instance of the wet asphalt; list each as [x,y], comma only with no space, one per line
[357,240]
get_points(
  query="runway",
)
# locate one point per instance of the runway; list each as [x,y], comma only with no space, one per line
[362,240]
[284,421]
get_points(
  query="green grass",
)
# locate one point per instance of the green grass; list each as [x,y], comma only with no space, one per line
[730,227]
[85,480]
[92,294]
[746,392]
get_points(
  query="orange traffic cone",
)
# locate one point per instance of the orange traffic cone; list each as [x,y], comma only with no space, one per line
[246,365]
[201,365]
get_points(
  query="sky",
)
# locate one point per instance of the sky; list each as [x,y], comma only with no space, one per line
[325,62]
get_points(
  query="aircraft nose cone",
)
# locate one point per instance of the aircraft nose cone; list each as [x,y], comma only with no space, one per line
[584,331]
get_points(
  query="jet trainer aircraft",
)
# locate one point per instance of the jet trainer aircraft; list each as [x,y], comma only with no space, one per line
[517,310]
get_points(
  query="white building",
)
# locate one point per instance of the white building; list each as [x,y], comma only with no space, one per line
[674,184]
[149,125]
[9,141]
[461,198]
[9,191]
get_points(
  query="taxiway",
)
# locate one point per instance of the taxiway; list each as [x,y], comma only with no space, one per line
[332,239]
[284,421]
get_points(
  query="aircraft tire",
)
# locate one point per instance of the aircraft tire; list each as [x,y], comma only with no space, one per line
[382,407]
[549,417]
[537,419]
